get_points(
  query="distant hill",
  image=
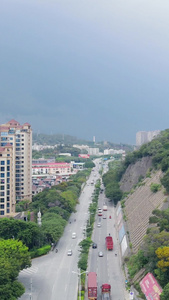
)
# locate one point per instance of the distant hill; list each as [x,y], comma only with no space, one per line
[53,139]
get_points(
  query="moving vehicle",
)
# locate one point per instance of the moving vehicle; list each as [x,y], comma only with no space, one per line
[109,242]
[105,291]
[99,214]
[73,235]
[98,225]
[69,252]
[92,286]
[100,254]
[94,245]
[105,207]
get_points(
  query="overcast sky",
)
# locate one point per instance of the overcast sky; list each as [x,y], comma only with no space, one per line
[85,67]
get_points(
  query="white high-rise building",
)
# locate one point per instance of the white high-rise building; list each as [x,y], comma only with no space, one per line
[143,137]
[19,139]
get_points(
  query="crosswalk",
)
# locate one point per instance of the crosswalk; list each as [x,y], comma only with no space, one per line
[29,271]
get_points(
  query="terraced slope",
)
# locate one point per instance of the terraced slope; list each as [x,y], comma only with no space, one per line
[139,207]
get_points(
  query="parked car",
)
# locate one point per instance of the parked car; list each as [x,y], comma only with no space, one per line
[104,217]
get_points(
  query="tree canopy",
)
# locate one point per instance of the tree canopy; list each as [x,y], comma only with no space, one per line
[14,257]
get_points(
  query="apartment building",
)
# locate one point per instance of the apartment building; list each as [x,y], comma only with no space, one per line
[51,168]
[143,137]
[18,138]
[7,181]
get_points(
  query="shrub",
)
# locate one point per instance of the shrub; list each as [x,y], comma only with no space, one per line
[41,251]
[155,187]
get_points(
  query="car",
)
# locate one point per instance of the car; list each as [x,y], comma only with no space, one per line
[94,245]
[100,254]
[69,252]
[73,235]
[98,225]
[100,214]
[104,217]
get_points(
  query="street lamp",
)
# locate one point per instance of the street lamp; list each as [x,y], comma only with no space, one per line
[79,276]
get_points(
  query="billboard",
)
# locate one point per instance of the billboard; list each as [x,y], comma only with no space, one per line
[150,287]
[121,232]
[124,245]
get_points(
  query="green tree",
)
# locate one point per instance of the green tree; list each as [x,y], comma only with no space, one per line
[165,294]
[14,257]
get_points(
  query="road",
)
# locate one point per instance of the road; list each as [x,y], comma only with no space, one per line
[108,267]
[50,277]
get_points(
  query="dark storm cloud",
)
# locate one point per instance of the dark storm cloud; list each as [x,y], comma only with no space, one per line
[85,67]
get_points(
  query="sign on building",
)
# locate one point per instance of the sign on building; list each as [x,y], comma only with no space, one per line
[150,287]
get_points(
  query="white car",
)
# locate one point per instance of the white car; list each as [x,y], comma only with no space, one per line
[69,252]
[73,235]
[98,225]
[100,254]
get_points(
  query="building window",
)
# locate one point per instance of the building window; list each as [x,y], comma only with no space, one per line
[1,206]
[8,204]
[8,168]
[2,200]
[2,175]
[2,163]
[8,162]
[8,174]
[8,210]
[2,212]
[8,186]
[8,199]
[8,180]
[2,187]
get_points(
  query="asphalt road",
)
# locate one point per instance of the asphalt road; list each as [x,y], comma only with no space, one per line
[108,267]
[55,276]
[52,276]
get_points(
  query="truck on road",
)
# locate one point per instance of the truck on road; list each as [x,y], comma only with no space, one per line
[109,242]
[92,286]
[105,291]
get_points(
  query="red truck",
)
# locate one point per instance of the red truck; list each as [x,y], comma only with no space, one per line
[109,242]
[105,291]
[92,286]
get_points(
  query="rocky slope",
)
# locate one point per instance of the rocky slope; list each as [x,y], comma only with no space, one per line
[133,173]
[140,203]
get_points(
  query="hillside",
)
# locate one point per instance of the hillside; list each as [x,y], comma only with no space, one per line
[139,206]
[141,169]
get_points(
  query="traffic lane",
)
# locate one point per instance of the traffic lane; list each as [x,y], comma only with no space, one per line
[66,283]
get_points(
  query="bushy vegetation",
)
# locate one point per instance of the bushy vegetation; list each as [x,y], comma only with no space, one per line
[14,257]
[153,255]
[111,182]
[155,187]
